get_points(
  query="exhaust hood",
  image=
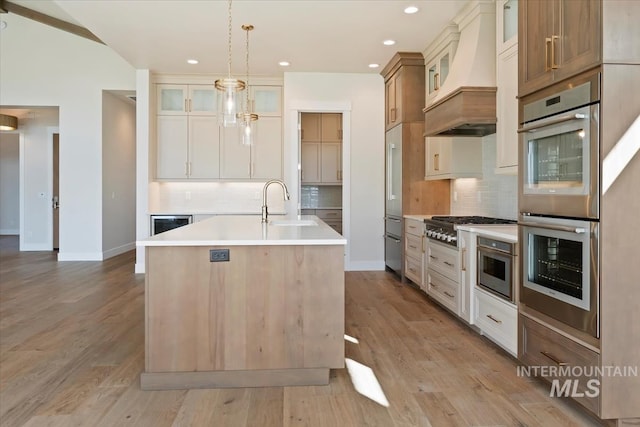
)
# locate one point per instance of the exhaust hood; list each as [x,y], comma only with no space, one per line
[466,102]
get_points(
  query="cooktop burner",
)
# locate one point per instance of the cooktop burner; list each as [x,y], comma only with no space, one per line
[443,227]
[471,220]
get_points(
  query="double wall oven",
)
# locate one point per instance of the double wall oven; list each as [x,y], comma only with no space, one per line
[559,205]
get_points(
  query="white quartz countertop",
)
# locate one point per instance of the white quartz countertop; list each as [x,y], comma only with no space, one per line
[243,230]
[508,233]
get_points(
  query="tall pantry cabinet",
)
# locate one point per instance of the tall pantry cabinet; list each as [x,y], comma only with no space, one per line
[562,43]
[404,78]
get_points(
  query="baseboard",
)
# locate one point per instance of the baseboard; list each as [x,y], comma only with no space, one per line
[9,232]
[365,266]
[140,269]
[80,256]
[28,247]
[119,250]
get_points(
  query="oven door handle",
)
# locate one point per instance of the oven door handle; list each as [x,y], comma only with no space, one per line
[577,230]
[537,126]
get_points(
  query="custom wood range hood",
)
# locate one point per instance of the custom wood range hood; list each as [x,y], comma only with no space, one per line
[466,103]
[467,111]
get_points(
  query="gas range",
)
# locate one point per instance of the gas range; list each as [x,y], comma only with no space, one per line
[443,228]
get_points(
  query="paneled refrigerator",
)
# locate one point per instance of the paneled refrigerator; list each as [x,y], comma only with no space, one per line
[393,204]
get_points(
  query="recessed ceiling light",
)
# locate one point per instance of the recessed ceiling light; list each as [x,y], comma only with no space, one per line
[411,9]
[389,42]
[283,63]
[192,61]
[374,65]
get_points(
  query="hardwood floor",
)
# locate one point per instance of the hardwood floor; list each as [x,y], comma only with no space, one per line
[72,349]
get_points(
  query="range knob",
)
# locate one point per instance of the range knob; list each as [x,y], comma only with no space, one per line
[454,239]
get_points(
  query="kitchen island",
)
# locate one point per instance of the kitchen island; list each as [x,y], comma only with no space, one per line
[233,302]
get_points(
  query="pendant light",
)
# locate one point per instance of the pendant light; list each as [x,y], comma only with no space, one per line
[248,120]
[8,122]
[228,107]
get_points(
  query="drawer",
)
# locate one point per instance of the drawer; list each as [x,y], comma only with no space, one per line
[307,211]
[413,269]
[443,290]
[497,319]
[336,225]
[415,227]
[541,346]
[329,213]
[413,246]
[443,259]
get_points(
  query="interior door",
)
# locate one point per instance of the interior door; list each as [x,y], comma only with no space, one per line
[55,205]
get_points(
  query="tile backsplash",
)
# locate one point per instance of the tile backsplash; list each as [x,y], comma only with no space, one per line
[492,195]
[321,196]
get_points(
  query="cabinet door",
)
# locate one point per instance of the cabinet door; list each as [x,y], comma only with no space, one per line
[204,148]
[202,100]
[310,162]
[398,86]
[390,98]
[507,111]
[331,168]
[331,127]
[235,158]
[172,147]
[506,24]
[432,156]
[310,127]
[172,99]
[535,29]
[267,100]
[266,153]
[578,47]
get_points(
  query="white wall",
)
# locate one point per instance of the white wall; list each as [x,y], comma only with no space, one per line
[365,95]
[118,174]
[494,195]
[9,183]
[42,66]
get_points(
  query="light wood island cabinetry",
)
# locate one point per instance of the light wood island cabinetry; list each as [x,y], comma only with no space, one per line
[270,314]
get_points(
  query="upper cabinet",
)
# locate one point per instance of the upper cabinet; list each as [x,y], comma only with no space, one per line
[186,99]
[266,100]
[507,80]
[321,148]
[404,88]
[557,39]
[438,58]
[453,157]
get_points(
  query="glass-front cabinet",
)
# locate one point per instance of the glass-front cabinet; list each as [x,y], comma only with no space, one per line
[199,100]
[507,24]
[438,58]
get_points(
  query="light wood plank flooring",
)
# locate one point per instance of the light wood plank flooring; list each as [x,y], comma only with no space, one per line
[72,349]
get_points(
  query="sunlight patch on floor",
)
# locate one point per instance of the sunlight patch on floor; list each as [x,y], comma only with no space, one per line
[351,339]
[365,382]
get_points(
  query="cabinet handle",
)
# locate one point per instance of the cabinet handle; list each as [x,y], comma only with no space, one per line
[436,81]
[448,294]
[494,319]
[448,263]
[547,42]
[413,270]
[340,134]
[554,66]
[413,247]
[433,257]
[186,105]
[422,243]
[433,285]
[393,115]
[464,267]
[436,162]
[555,359]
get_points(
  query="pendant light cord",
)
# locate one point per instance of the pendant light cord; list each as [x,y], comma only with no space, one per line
[229,38]
[248,28]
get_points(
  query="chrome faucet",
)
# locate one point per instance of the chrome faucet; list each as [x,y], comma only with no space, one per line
[265,212]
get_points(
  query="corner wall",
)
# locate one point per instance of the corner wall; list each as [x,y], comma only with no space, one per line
[43,66]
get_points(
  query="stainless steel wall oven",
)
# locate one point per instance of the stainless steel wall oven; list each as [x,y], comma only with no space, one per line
[560,276]
[559,153]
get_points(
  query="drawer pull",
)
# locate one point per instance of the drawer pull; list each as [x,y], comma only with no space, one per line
[494,319]
[413,247]
[412,226]
[413,270]
[448,294]
[448,263]
[433,257]
[555,359]
[433,285]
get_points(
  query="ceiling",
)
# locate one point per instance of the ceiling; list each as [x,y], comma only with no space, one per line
[328,36]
